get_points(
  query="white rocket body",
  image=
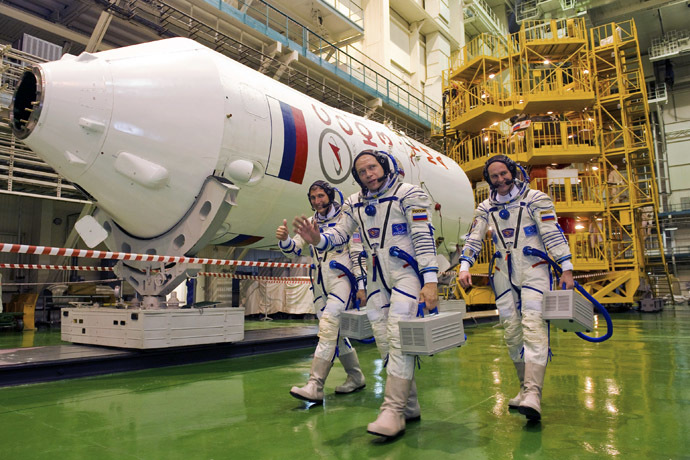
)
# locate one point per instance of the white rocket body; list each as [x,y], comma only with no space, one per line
[141,128]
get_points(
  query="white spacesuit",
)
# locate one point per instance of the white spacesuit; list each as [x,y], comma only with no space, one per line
[332,295]
[397,214]
[523,217]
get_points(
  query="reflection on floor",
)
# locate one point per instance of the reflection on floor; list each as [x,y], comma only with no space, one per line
[627,398]
[48,337]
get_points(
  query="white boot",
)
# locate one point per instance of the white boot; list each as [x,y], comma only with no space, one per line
[515,402]
[412,411]
[355,378]
[313,390]
[391,421]
[530,406]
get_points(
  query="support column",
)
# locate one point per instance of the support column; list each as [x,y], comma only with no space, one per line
[45,235]
[457,22]
[377,31]
[437,60]
[418,73]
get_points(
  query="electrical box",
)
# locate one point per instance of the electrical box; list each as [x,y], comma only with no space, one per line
[432,334]
[354,324]
[568,310]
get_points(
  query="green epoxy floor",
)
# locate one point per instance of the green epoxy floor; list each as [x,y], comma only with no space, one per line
[48,337]
[627,398]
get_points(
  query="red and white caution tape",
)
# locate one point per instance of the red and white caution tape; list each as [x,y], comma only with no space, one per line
[271,279]
[584,275]
[92,254]
[84,268]
[61,282]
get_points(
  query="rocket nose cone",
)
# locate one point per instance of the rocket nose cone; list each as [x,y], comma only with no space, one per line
[26,104]
[61,109]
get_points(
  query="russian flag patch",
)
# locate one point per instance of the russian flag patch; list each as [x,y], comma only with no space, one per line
[289,145]
[547,216]
[419,214]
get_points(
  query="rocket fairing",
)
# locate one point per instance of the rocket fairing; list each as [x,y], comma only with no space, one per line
[142,128]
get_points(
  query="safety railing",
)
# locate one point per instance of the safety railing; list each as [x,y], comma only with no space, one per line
[563,134]
[572,193]
[546,134]
[478,147]
[554,29]
[567,135]
[483,45]
[471,99]
[481,194]
[568,4]
[23,172]
[491,92]
[362,69]
[481,265]
[581,133]
[13,64]
[587,248]
[482,10]
[437,125]
[613,33]
[527,10]
[657,93]
[351,10]
[437,121]
[552,80]
[670,44]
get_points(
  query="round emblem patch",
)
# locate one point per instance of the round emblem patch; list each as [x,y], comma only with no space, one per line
[335,157]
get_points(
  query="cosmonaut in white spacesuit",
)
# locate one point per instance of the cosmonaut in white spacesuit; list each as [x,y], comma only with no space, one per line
[331,290]
[388,213]
[519,217]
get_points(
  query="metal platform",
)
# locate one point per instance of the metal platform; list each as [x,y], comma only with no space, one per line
[42,364]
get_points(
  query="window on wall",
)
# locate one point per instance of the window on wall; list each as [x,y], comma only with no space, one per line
[684,202]
[444,13]
[400,41]
[400,35]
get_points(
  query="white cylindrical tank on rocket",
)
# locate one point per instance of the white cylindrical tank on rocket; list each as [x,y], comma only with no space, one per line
[141,128]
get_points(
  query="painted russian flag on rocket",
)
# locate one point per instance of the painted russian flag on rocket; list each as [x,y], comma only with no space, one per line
[287,158]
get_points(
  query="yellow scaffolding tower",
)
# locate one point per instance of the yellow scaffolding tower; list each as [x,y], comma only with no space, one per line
[628,164]
[571,97]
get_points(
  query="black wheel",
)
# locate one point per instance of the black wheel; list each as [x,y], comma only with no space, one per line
[19,325]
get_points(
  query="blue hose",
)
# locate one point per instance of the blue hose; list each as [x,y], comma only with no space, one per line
[400,254]
[528,251]
[353,282]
